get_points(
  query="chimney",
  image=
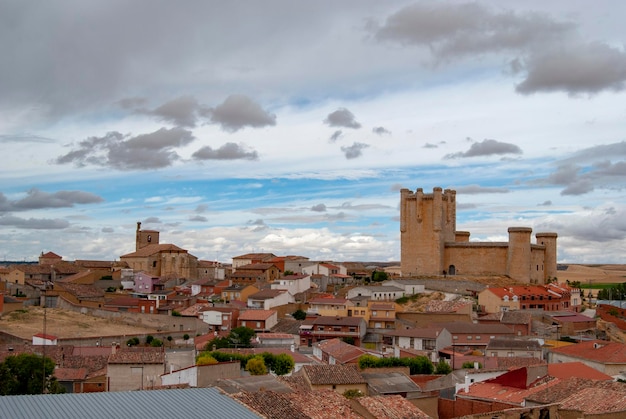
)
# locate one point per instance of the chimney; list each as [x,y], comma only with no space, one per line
[113,348]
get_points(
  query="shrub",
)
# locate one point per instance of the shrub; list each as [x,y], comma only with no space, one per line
[156,343]
[133,341]
[186,336]
[443,368]
[256,366]
[149,339]
[299,314]
[176,313]
[352,393]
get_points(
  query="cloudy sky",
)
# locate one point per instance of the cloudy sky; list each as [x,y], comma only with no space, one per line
[290,127]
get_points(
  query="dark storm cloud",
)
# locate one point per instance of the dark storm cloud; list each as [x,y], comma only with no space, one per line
[354,151]
[239,111]
[380,131]
[182,112]
[37,199]
[34,223]
[319,208]
[575,69]
[342,118]
[477,189]
[598,167]
[487,148]
[336,135]
[143,152]
[229,151]
[452,29]
[548,53]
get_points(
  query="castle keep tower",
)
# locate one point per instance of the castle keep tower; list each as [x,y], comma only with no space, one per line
[427,222]
[144,238]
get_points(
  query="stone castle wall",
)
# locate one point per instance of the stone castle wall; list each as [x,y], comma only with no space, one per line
[430,244]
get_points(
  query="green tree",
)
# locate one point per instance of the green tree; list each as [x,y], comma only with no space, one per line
[149,339]
[470,365]
[186,336]
[443,368]
[379,276]
[24,374]
[156,343]
[256,366]
[133,341]
[288,272]
[206,359]
[241,336]
[283,364]
[299,314]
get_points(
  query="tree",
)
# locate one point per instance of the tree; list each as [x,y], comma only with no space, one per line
[283,364]
[443,368]
[24,374]
[299,314]
[256,366]
[133,341]
[149,339]
[470,365]
[288,272]
[241,336]
[156,343]
[206,359]
[186,336]
[379,276]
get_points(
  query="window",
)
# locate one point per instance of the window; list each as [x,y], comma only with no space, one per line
[478,337]
[455,337]
[258,324]
[154,263]
[469,338]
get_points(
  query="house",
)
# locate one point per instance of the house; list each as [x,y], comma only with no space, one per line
[255,272]
[382,315]
[221,319]
[429,339]
[208,269]
[161,297]
[48,340]
[350,329]
[539,297]
[293,284]
[410,286]
[208,287]
[79,294]
[379,293]
[135,369]
[606,357]
[390,383]
[473,335]
[131,305]
[339,378]
[506,347]
[336,351]
[250,258]
[202,375]
[259,320]
[330,306]
[326,269]
[571,323]
[276,339]
[518,320]
[145,283]
[290,263]
[269,298]
[238,293]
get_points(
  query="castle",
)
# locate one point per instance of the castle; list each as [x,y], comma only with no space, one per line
[431,245]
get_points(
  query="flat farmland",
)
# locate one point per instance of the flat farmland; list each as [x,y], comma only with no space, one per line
[64,324]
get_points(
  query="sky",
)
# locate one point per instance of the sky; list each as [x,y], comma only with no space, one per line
[290,126]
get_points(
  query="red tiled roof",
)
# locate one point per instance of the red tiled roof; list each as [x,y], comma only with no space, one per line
[596,350]
[333,374]
[340,350]
[596,401]
[152,249]
[51,255]
[256,314]
[328,301]
[266,294]
[391,407]
[70,374]
[565,370]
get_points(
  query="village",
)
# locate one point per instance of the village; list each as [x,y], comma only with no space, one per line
[367,340]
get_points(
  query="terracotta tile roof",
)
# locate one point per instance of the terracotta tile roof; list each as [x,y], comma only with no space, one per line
[256,256]
[596,401]
[473,328]
[270,404]
[80,291]
[333,374]
[516,317]
[70,374]
[517,344]
[337,321]
[416,332]
[152,249]
[256,314]
[266,294]
[274,336]
[255,267]
[138,356]
[512,362]
[383,306]
[50,255]
[567,387]
[328,301]
[391,407]
[340,350]
[323,404]
[565,370]
[489,390]
[95,263]
[596,350]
